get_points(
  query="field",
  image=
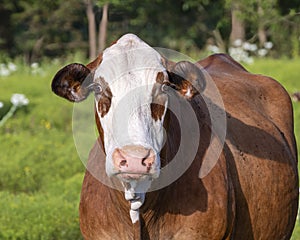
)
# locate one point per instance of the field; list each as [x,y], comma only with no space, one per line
[40,172]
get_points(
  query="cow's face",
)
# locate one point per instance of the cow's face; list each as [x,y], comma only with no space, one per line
[131,108]
[131,83]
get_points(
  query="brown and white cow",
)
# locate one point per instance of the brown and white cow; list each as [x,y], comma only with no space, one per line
[249,192]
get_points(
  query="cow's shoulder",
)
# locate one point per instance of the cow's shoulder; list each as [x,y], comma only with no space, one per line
[251,98]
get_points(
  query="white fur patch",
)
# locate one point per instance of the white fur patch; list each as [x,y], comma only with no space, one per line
[130,68]
[134,216]
[135,192]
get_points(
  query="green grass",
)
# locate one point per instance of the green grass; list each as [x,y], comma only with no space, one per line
[40,172]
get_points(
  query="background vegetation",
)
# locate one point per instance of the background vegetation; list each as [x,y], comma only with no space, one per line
[40,172]
[55,28]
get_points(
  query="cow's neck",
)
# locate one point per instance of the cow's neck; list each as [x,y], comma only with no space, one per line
[122,211]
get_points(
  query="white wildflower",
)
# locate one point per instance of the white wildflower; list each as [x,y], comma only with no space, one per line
[262,52]
[213,48]
[240,55]
[36,68]
[34,65]
[248,60]
[12,67]
[246,46]
[1,104]
[253,47]
[237,53]
[19,100]
[3,70]
[268,45]
[237,43]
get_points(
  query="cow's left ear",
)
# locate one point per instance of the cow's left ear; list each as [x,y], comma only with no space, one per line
[73,82]
[187,78]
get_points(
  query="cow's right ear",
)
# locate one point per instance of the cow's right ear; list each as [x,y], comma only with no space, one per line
[73,82]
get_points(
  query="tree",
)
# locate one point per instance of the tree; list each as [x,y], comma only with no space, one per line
[92,29]
[288,28]
[43,28]
[261,32]
[237,23]
[56,28]
[6,33]
[91,8]
[103,28]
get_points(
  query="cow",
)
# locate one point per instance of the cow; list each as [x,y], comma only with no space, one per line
[163,167]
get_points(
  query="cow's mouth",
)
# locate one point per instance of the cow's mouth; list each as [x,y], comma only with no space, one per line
[129,176]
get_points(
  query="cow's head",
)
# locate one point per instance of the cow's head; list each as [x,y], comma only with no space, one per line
[130,81]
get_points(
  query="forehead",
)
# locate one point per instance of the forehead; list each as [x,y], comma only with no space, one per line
[130,68]
[129,63]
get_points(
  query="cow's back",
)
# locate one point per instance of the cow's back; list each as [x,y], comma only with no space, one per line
[260,149]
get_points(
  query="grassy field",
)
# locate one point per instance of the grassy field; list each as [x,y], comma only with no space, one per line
[40,172]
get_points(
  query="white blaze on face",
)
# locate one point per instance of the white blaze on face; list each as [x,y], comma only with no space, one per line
[130,68]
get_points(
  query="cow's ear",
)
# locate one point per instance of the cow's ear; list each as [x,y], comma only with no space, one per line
[187,78]
[73,82]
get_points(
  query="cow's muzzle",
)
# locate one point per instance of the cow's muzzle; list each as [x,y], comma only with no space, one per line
[133,162]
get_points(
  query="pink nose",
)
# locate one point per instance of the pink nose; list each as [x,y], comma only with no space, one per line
[133,161]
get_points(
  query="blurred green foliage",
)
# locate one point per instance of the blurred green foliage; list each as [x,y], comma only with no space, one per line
[37,29]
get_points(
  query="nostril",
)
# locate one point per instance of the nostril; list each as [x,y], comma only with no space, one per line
[123,163]
[148,161]
[133,159]
[144,161]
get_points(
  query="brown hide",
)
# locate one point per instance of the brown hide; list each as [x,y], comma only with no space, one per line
[251,193]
